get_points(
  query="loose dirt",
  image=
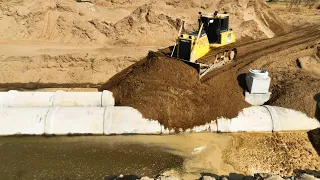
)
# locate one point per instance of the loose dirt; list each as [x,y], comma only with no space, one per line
[292,86]
[65,42]
[126,22]
[279,153]
[170,91]
[55,63]
[310,64]
[298,15]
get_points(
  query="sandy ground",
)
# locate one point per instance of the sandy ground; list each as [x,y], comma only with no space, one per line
[44,62]
[84,45]
[279,153]
[299,15]
[68,42]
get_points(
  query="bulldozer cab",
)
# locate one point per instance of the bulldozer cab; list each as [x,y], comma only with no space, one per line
[214,25]
[187,43]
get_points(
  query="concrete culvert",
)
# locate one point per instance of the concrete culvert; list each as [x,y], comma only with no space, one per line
[59,98]
[127,120]
[75,120]
[267,119]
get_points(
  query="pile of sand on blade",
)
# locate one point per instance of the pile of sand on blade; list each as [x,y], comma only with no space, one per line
[170,91]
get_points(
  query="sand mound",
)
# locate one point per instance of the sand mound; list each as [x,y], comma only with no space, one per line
[298,88]
[299,94]
[147,26]
[170,91]
[58,21]
[126,22]
[253,19]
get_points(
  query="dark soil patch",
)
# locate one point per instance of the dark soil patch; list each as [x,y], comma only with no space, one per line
[314,137]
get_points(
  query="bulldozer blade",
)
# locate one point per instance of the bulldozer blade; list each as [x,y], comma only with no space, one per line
[207,71]
[199,67]
[192,64]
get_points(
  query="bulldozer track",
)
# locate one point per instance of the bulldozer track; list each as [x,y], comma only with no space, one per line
[249,52]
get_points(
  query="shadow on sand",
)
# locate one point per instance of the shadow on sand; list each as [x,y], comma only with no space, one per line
[242,82]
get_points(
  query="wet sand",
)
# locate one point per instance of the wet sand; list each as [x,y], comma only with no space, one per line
[80,158]
[98,157]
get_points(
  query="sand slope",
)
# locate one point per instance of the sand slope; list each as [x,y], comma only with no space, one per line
[126,22]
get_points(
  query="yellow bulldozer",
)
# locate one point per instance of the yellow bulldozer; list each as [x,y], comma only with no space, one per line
[208,48]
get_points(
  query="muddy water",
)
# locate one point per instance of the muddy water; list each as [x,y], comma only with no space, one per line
[103,156]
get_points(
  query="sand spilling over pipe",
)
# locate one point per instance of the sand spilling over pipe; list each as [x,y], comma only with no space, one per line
[171,92]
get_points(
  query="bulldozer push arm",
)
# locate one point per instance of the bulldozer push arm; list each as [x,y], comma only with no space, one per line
[178,36]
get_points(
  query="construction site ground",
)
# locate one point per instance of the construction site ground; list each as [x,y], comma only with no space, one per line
[185,156]
[51,45]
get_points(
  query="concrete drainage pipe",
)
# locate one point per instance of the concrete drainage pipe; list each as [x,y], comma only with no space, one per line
[59,98]
[127,120]
[266,119]
[75,120]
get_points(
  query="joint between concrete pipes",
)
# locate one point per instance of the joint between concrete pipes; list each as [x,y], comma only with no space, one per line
[57,98]
[107,121]
[75,120]
[48,127]
[271,117]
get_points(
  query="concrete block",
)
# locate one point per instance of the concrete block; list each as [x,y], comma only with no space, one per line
[257,99]
[26,121]
[258,81]
[75,120]
[127,120]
